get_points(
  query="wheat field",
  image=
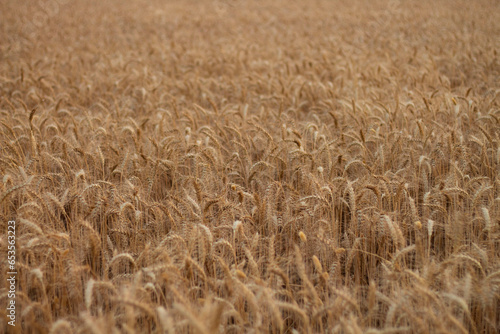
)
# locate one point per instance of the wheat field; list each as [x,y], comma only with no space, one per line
[237,166]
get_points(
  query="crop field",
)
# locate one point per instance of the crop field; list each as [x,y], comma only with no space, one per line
[238,166]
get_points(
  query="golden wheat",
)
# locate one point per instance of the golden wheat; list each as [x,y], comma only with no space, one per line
[228,167]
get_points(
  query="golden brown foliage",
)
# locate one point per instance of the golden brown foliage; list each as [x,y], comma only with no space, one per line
[238,166]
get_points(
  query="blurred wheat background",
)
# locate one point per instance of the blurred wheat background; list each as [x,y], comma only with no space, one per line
[251,166]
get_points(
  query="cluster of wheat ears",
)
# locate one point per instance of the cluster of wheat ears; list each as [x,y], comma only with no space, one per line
[252,166]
